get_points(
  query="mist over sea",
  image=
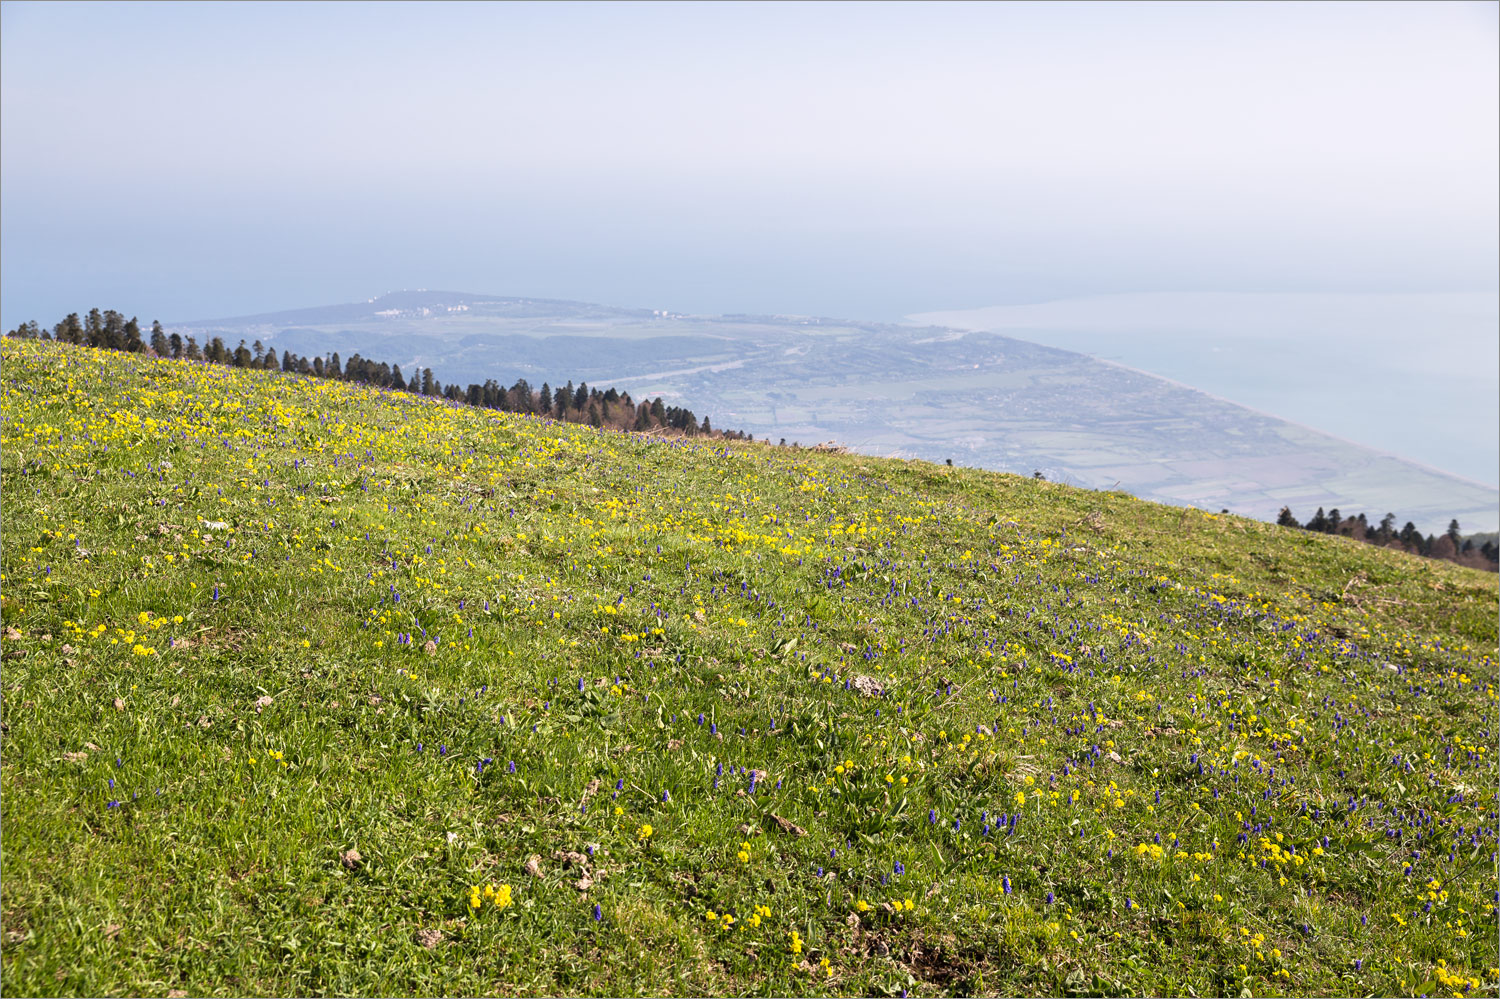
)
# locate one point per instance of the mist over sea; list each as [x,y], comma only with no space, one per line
[1414,374]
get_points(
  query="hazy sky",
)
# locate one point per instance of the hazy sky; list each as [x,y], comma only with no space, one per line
[182,161]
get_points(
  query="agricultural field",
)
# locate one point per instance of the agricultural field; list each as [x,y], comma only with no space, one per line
[310,688]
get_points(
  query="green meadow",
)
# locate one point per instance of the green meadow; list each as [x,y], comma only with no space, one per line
[316,689]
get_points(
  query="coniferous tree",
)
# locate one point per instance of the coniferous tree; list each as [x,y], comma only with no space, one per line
[1285,518]
[93,329]
[114,330]
[131,337]
[159,345]
[71,330]
[1386,530]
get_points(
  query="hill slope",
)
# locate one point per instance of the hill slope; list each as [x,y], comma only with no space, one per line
[933,393]
[311,688]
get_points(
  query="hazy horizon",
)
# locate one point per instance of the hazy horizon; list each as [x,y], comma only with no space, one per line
[863,161]
[1338,363]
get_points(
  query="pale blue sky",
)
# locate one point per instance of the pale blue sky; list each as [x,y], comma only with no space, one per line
[182,161]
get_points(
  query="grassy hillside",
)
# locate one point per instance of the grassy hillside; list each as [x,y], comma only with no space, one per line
[311,689]
[936,393]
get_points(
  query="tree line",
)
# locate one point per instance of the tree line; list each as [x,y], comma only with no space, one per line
[1451,545]
[609,408]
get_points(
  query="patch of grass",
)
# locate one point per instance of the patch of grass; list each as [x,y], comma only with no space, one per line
[296,670]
